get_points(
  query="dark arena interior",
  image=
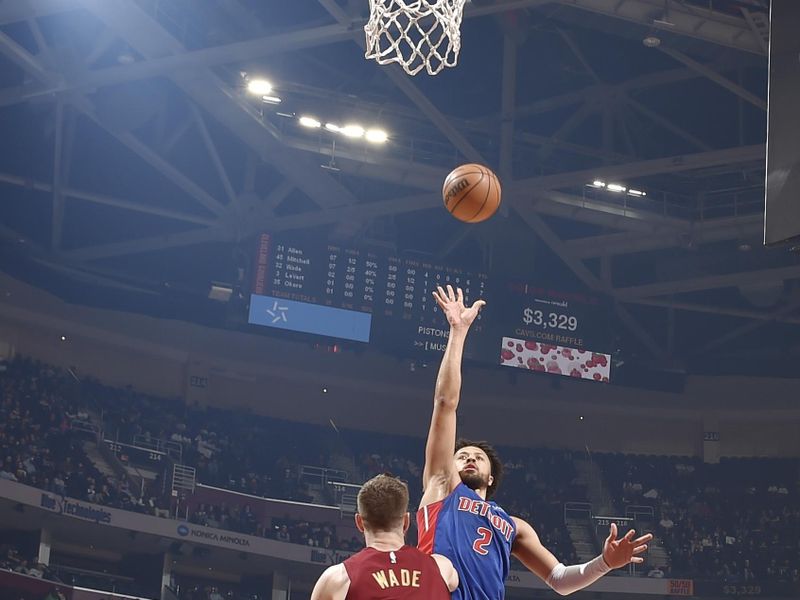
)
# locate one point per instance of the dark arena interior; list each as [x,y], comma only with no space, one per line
[221,229]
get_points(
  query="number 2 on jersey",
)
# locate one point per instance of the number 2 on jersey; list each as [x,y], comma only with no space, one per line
[481,544]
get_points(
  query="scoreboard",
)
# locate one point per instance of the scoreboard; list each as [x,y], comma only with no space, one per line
[386,300]
[354,294]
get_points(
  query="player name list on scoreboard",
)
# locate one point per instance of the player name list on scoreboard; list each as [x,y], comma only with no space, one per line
[355,279]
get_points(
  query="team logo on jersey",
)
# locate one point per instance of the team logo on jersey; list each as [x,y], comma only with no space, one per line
[484,509]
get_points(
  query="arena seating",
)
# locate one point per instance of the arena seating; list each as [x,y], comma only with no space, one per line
[737,521]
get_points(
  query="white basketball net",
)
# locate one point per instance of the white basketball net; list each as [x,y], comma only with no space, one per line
[417,34]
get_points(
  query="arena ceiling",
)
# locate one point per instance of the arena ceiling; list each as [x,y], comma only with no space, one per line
[135,159]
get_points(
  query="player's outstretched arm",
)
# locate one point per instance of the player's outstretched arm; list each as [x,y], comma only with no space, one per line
[332,584]
[439,475]
[448,571]
[566,580]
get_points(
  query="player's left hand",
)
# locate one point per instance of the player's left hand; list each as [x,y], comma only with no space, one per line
[619,552]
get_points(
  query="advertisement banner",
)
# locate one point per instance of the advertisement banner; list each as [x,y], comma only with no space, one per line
[681,587]
[101,516]
[616,585]
[748,589]
[74,508]
[559,360]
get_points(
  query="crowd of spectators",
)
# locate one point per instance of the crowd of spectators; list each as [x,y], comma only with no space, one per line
[318,535]
[195,589]
[738,521]
[231,450]
[535,487]
[39,445]
[13,559]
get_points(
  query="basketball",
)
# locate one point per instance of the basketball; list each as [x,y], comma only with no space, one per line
[471,193]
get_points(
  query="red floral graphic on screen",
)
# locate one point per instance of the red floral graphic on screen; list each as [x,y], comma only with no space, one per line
[550,358]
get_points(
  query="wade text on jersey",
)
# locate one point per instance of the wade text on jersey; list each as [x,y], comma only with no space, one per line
[387,578]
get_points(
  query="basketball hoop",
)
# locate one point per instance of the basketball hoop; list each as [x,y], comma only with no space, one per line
[417,34]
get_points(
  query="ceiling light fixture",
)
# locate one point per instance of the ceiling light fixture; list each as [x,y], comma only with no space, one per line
[376,136]
[259,87]
[652,41]
[309,122]
[352,131]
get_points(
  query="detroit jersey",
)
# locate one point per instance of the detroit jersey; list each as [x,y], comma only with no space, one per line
[406,574]
[476,535]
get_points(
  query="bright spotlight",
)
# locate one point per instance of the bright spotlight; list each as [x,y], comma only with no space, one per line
[638,193]
[309,122]
[376,136]
[270,100]
[352,131]
[615,187]
[598,184]
[333,127]
[259,87]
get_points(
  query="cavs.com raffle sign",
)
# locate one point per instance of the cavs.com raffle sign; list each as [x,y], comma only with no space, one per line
[681,587]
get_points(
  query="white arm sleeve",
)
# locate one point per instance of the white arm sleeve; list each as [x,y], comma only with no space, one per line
[566,580]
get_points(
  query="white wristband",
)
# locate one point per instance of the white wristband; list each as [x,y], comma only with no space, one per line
[565,580]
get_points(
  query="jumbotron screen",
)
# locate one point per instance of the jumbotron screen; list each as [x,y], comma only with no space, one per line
[386,301]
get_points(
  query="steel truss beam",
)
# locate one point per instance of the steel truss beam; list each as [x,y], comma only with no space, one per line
[217,233]
[260,47]
[677,18]
[578,53]
[701,232]
[707,282]
[105,200]
[667,124]
[658,166]
[713,310]
[654,227]
[23,59]
[211,148]
[570,204]
[13,11]
[152,158]
[729,85]
[223,232]
[57,225]
[237,114]
[185,60]
[598,91]
[545,201]
[777,314]
[761,35]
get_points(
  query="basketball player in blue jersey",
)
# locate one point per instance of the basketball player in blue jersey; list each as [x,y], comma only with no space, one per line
[457,517]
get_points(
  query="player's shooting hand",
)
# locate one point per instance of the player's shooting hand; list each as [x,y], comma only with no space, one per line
[619,552]
[452,305]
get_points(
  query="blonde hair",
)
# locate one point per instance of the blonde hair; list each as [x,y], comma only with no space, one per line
[383,502]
